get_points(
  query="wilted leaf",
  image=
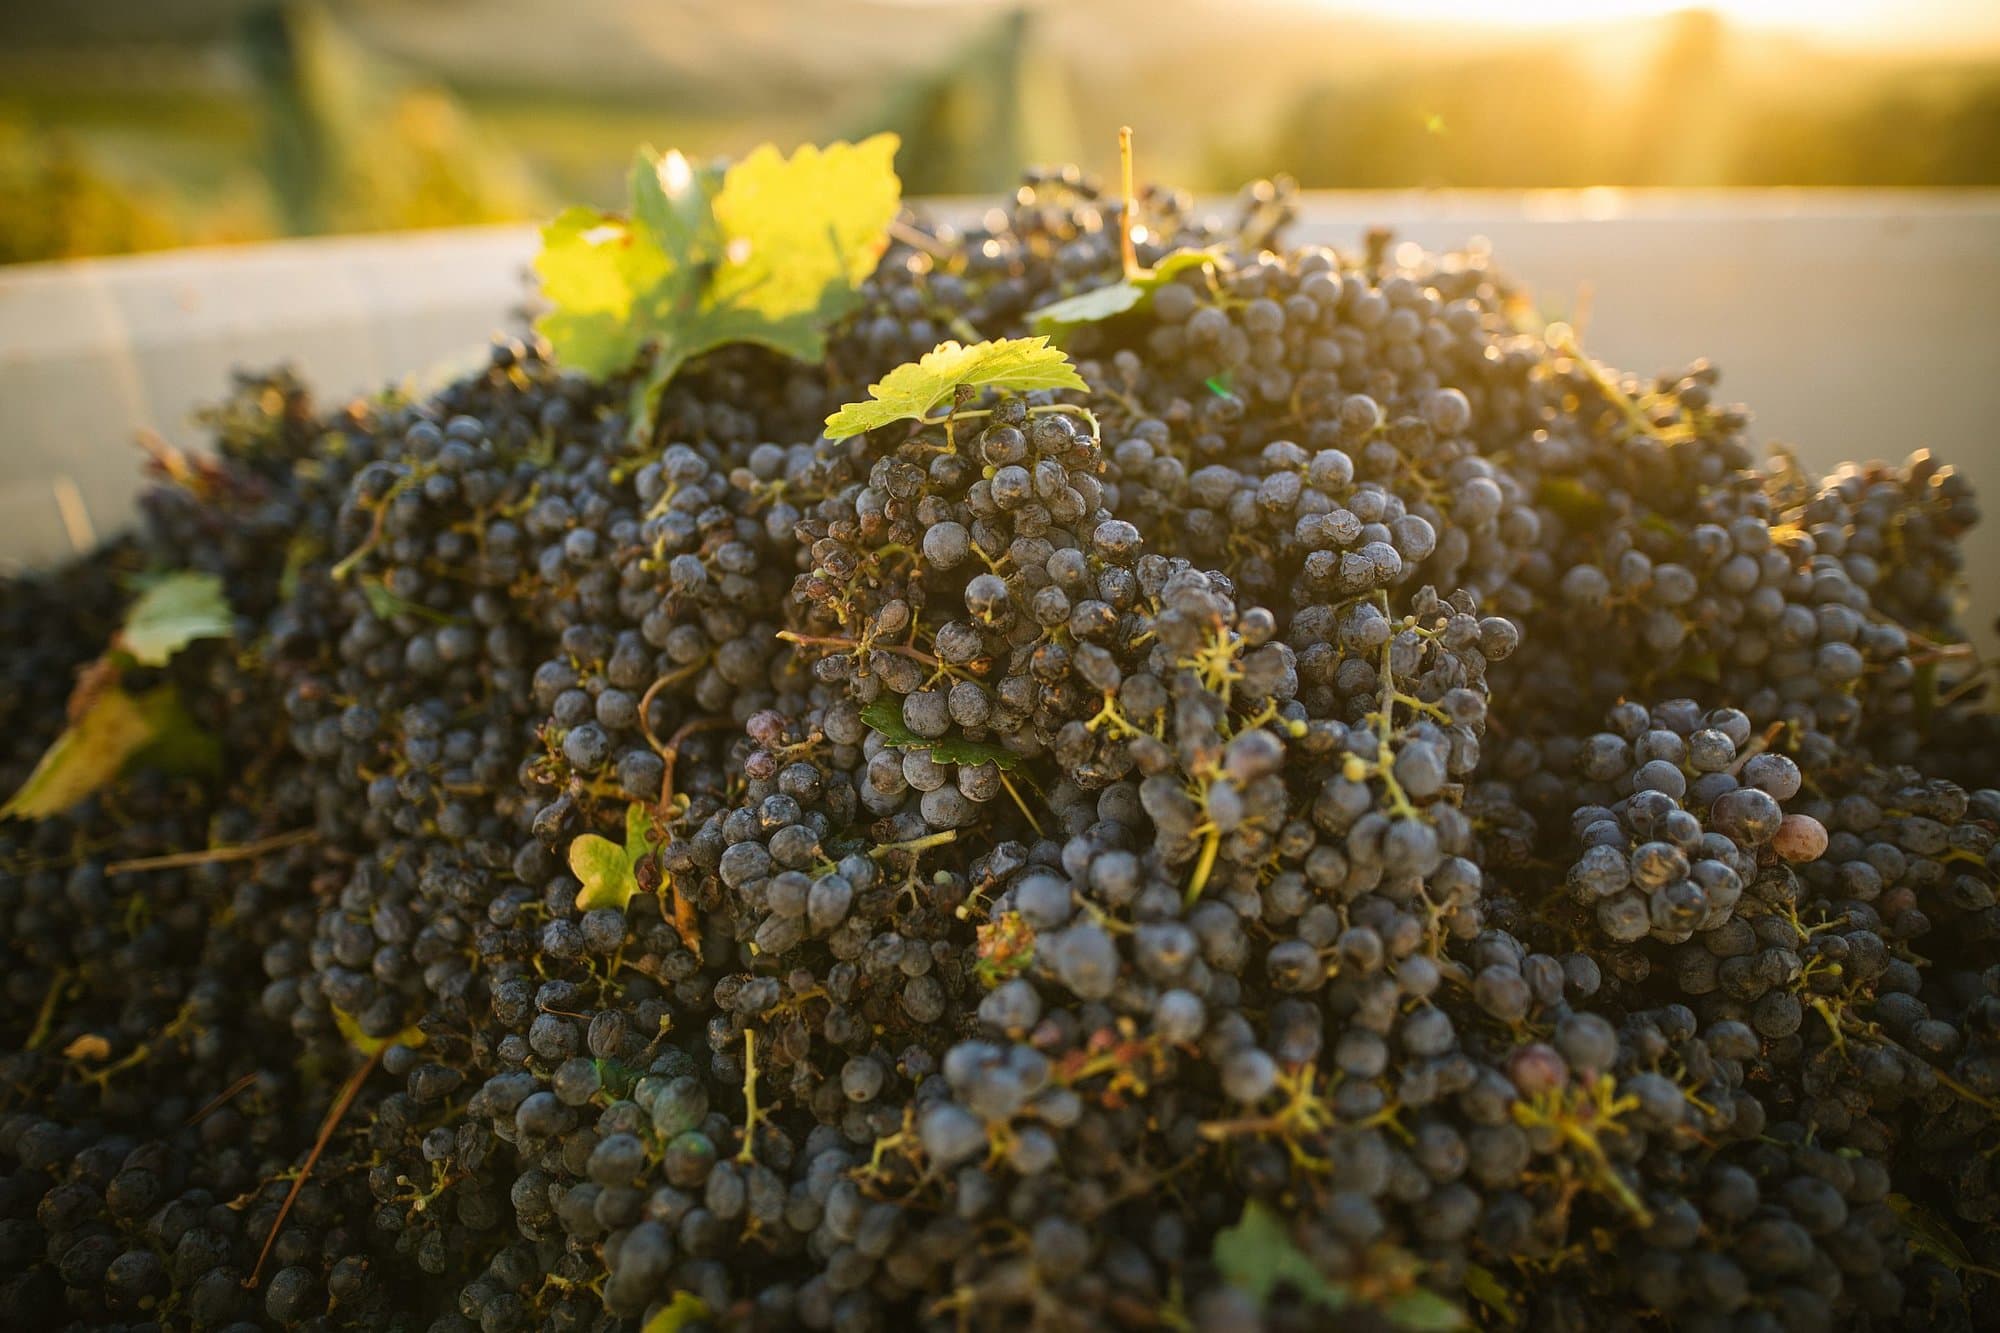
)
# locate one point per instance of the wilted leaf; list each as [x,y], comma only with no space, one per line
[1930,1235]
[89,1046]
[111,729]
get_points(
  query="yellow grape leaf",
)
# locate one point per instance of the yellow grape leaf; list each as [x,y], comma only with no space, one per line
[770,251]
[604,870]
[910,392]
[112,728]
[684,1309]
[351,1033]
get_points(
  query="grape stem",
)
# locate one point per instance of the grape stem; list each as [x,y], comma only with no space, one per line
[1126,251]
[245,851]
[222,1099]
[1204,865]
[929,840]
[348,1092]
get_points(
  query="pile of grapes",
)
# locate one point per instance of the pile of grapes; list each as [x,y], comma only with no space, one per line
[1359,817]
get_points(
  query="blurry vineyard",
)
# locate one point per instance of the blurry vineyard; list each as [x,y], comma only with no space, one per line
[139,126]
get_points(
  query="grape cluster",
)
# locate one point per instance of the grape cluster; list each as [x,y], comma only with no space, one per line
[1364,814]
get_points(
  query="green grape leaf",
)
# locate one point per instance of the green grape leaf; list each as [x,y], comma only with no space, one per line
[178,745]
[110,729]
[1703,666]
[684,1309]
[351,1033]
[1930,1235]
[1257,1254]
[1572,501]
[675,201]
[602,277]
[171,613]
[640,840]
[387,605]
[616,1079]
[1091,307]
[885,714]
[1108,302]
[607,871]
[770,251]
[911,391]
[604,870]
[1421,1310]
[1485,1287]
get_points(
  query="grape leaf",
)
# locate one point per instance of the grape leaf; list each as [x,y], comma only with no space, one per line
[885,714]
[1421,1310]
[1091,307]
[178,744]
[607,871]
[1928,1234]
[596,271]
[1257,1254]
[639,837]
[910,391]
[387,605]
[770,251]
[1572,501]
[684,1309]
[800,235]
[173,612]
[351,1033]
[112,727]
[1702,666]
[1483,1286]
[1108,302]
[604,870]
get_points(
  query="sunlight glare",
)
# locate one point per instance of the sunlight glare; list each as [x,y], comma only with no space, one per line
[1814,15]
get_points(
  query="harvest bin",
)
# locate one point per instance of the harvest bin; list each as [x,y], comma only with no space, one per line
[1854,324]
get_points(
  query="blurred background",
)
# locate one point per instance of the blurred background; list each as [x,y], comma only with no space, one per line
[130,125]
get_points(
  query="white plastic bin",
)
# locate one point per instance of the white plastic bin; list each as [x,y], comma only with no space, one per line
[1855,325]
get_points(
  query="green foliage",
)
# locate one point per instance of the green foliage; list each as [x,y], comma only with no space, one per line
[1483,1286]
[910,392]
[685,1308]
[1101,303]
[771,251]
[607,871]
[1257,1256]
[1930,1235]
[1572,501]
[387,605]
[885,715]
[171,613]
